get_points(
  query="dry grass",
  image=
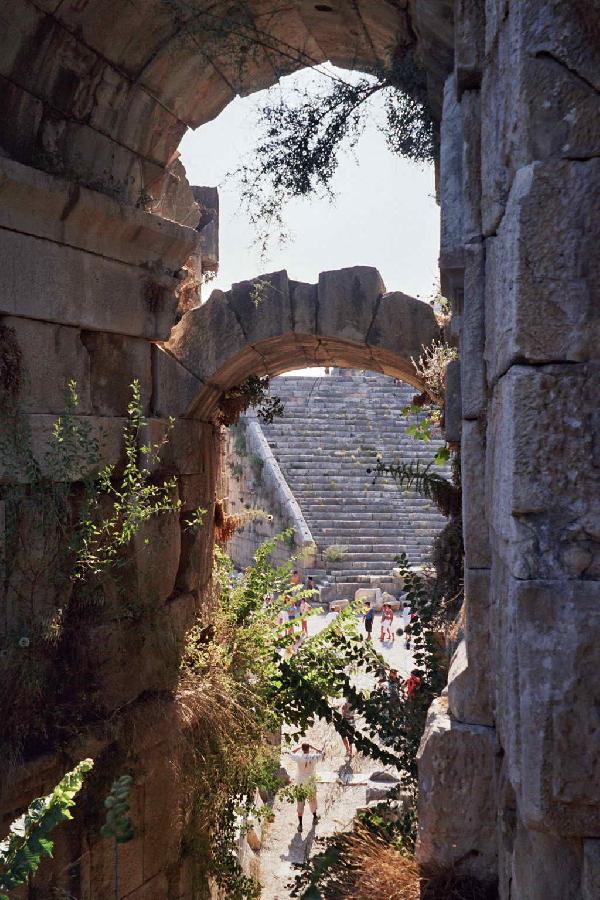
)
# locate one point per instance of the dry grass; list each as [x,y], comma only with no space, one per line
[377,871]
[371,869]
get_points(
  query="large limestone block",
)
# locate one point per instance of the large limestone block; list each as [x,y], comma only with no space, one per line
[347,302]
[451,194]
[51,356]
[474,512]
[36,203]
[116,362]
[34,435]
[402,326]
[542,473]
[542,271]
[472,337]
[471,165]
[262,307]
[544,866]
[540,92]
[591,869]
[174,389]
[544,646]
[457,804]
[71,287]
[469,678]
[469,43]
[207,338]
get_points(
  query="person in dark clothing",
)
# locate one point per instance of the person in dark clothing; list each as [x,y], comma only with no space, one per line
[369,616]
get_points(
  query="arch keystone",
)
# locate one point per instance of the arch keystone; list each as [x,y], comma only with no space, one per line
[347,302]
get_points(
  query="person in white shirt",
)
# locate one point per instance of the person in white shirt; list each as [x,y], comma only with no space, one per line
[306,758]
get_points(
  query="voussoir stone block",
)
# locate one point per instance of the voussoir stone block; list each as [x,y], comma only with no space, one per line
[457,804]
[262,306]
[401,328]
[542,299]
[347,302]
[542,471]
[207,337]
[174,389]
[303,300]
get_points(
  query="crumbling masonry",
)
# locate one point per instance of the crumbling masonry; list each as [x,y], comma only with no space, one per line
[98,242]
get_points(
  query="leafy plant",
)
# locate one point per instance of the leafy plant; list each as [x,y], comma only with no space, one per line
[299,151]
[68,529]
[257,464]
[426,481]
[335,553]
[254,391]
[118,824]
[29,839]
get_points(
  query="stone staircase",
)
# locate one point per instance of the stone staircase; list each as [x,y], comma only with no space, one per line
[331,432]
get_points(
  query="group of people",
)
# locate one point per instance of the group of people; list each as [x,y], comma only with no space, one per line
[387,630]
[295,608]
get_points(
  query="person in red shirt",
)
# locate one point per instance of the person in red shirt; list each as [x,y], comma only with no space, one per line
[412,683]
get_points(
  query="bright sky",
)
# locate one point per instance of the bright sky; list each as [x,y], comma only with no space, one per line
[384,215]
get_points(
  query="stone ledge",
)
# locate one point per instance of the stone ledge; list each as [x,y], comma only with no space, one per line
[46,206]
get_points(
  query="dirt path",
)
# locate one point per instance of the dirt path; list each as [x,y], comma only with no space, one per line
[284,848]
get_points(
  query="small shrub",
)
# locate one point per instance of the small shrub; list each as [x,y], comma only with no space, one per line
[335,553]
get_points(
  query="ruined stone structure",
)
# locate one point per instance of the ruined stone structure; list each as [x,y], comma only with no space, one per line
[98,244]
[325,444]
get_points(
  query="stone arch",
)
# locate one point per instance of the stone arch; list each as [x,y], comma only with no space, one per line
[273,324]
[101,92]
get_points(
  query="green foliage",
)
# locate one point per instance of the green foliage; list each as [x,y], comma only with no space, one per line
[238,430]
[298,793]
[335,553]
[28,840]
[254,391]
[118,824]
[68,532]
[257,464]
[133,499]
[302,140]
[427,482]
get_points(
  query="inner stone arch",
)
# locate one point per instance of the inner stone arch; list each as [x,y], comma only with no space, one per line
[272,325]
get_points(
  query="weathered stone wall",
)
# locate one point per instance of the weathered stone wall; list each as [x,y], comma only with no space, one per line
[88,290]
[254,481]
[519,195]
[94,97]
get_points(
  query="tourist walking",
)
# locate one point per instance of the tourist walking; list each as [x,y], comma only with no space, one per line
[348,715]
[305,608]
[369,616]
[306,758]
[387,623]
